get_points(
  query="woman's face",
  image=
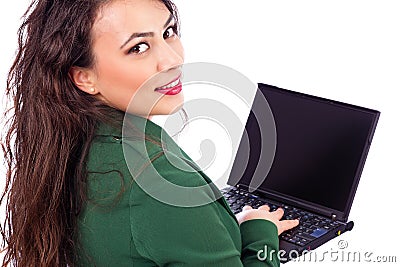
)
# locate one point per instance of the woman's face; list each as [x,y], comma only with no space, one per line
[138,57]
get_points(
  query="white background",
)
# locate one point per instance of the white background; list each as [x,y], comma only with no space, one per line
[343,50]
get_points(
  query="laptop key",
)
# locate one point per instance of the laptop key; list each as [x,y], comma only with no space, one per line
[300,243]
[287,239]
[306,236]
[319,232]
[308,231]
[305,241]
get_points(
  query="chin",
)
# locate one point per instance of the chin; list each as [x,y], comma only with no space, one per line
[168,110]
[168,107]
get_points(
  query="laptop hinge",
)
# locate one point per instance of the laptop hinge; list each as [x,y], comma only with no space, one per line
[333,217]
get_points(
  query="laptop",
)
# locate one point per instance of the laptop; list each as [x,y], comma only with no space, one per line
[305,154]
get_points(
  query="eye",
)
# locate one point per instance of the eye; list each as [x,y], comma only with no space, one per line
[139,48]
[170,32]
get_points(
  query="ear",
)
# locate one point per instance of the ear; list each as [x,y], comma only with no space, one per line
[84,79]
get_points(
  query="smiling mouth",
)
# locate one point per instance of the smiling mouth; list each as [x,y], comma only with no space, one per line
[173,88]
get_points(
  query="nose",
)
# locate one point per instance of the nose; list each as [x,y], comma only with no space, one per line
[169,56]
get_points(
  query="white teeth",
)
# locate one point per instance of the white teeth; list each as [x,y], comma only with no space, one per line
[175,83]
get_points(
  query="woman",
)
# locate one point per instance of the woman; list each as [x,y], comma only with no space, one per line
[71,198]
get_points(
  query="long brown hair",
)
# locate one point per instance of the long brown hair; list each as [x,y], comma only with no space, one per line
[50,127]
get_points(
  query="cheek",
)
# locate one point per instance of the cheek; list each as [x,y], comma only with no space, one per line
[123,74]
[120,78]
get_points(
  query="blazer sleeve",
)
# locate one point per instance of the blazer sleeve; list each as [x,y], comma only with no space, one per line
[193,236]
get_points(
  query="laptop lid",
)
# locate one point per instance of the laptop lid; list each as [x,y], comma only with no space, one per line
[320,150]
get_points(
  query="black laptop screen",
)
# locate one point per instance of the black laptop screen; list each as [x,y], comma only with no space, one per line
[319,148]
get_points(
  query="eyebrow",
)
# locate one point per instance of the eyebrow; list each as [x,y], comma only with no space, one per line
[146,34]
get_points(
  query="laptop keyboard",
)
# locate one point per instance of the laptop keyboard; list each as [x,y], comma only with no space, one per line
[311,226]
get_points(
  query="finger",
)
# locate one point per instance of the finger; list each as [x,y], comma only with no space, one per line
[264,207]
[247,207]
[288,224]
[278,213]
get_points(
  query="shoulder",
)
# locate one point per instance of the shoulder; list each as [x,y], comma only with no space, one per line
[112,146]
[150,164]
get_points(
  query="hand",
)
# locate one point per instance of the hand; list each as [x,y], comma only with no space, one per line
[248,213]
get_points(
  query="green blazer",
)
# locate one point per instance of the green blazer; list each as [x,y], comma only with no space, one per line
[125,223]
